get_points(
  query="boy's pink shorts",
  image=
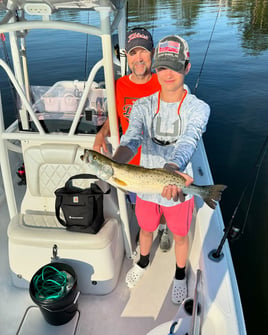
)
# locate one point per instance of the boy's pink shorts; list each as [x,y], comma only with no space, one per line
[178,217]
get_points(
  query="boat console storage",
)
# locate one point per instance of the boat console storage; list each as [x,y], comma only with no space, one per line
[55,107]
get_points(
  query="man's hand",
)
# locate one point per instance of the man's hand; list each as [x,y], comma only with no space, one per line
[175,193]
[100,143]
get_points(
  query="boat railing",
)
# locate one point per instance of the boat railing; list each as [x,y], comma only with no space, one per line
[22,96]
[108,24]
[187,319]
[85,94]
[195,324]
[29,108]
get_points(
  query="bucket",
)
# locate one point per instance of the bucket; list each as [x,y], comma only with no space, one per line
[54,289]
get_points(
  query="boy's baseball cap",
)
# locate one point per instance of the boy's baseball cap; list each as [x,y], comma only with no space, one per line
[171,52]
[139,37]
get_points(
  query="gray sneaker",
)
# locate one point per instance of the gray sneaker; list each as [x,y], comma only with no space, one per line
[165,243]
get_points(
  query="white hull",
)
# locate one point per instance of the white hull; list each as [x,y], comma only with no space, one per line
[105,304]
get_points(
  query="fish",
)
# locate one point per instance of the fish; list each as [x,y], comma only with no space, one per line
[138,179]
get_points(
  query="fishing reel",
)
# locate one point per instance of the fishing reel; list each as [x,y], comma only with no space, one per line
[22,175]
[234,233]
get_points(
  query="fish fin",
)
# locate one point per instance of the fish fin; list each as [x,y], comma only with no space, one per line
[213,195]
[119,182]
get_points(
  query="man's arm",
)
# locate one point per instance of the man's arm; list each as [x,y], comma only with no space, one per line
[100,142]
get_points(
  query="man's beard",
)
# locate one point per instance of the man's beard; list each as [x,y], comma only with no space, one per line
[139,73]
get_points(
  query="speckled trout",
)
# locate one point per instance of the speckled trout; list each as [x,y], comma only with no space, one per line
[137,179]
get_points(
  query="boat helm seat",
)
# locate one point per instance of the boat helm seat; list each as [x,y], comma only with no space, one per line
[36,237]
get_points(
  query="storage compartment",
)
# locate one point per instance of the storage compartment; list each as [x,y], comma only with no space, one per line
[55,107]
[96,259]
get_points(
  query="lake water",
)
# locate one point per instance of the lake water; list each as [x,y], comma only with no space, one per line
[234,81]
[229,54]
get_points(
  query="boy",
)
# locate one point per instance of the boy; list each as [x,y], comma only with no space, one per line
[168,124]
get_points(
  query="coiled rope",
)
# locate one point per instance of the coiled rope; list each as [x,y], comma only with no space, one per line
[50,283]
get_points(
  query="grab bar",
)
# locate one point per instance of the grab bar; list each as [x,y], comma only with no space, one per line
[195,325]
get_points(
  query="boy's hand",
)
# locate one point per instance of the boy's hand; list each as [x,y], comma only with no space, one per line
[175,193]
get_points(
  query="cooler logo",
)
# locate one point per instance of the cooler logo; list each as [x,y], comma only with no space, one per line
[169,46]
[75,199]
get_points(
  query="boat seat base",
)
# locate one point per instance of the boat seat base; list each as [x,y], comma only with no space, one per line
[96,258]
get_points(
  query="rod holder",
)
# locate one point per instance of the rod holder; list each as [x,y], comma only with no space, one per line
[215,256]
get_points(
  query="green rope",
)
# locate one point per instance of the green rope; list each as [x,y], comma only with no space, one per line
[50,283]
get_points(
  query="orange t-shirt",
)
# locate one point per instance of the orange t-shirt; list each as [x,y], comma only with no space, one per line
[127,93]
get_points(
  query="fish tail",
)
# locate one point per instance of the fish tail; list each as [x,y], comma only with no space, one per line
[213,194]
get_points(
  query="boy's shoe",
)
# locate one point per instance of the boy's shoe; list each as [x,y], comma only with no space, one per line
[165,243]
[134,275]
[179,291]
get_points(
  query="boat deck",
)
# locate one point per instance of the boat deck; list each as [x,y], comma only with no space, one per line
[124,310]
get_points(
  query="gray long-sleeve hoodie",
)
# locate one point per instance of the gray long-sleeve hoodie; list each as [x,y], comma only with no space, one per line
[184,127]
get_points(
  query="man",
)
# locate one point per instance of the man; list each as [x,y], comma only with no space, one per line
[168,124]
[139,83]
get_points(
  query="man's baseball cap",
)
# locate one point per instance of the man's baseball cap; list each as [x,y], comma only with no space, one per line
[171,52]
[139,37]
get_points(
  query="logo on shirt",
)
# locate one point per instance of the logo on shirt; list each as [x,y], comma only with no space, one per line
[173,130]
[128,104]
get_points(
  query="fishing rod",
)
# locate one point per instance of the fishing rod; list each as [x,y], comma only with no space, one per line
[205,56]
[233,232]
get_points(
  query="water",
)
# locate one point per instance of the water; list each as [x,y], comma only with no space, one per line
[233,81]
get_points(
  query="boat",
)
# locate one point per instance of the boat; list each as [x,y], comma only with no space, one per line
[40,150]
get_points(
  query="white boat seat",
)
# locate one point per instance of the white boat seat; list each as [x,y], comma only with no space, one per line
[50,166]
[35,231]
[41,229]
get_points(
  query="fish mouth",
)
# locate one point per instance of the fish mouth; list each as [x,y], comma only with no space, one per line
[86,157]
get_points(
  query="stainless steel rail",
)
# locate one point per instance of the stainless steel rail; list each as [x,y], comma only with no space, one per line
[195,325]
